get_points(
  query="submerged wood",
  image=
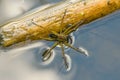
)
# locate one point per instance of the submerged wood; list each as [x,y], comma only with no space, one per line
[38,25]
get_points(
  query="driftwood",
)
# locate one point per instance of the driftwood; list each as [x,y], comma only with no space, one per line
[39,25]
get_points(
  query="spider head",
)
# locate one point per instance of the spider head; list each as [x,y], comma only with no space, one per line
[53,36]
[59,37]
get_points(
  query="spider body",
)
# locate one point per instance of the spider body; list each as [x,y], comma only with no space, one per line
[59,37]
[62,38]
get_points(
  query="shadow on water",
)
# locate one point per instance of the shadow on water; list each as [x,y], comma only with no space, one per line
[100,38]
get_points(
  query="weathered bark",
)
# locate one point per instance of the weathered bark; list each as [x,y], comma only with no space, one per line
[40,24]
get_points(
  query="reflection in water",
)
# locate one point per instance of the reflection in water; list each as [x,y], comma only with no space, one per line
[49,58]
[23,65]
[69,62]
[83,51]
[18,69]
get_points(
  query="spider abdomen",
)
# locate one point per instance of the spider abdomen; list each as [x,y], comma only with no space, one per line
[62,38]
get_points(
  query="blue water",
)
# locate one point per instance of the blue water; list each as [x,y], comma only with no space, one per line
[103,43]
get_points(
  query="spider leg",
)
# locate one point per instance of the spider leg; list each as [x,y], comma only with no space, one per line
[62,20]
[63,55]
[48,39]
[36,24]
[73,27]
[1,39]
[76,49]
[69,39]
[55,33]
[47,53]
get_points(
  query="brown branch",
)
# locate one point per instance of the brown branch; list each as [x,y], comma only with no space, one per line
[40,24]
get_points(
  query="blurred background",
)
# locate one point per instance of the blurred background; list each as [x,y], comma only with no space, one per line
[12,8]
[100,38]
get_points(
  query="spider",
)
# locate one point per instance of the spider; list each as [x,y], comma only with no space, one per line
[62,39]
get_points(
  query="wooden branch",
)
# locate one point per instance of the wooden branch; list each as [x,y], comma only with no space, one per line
[40,24]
